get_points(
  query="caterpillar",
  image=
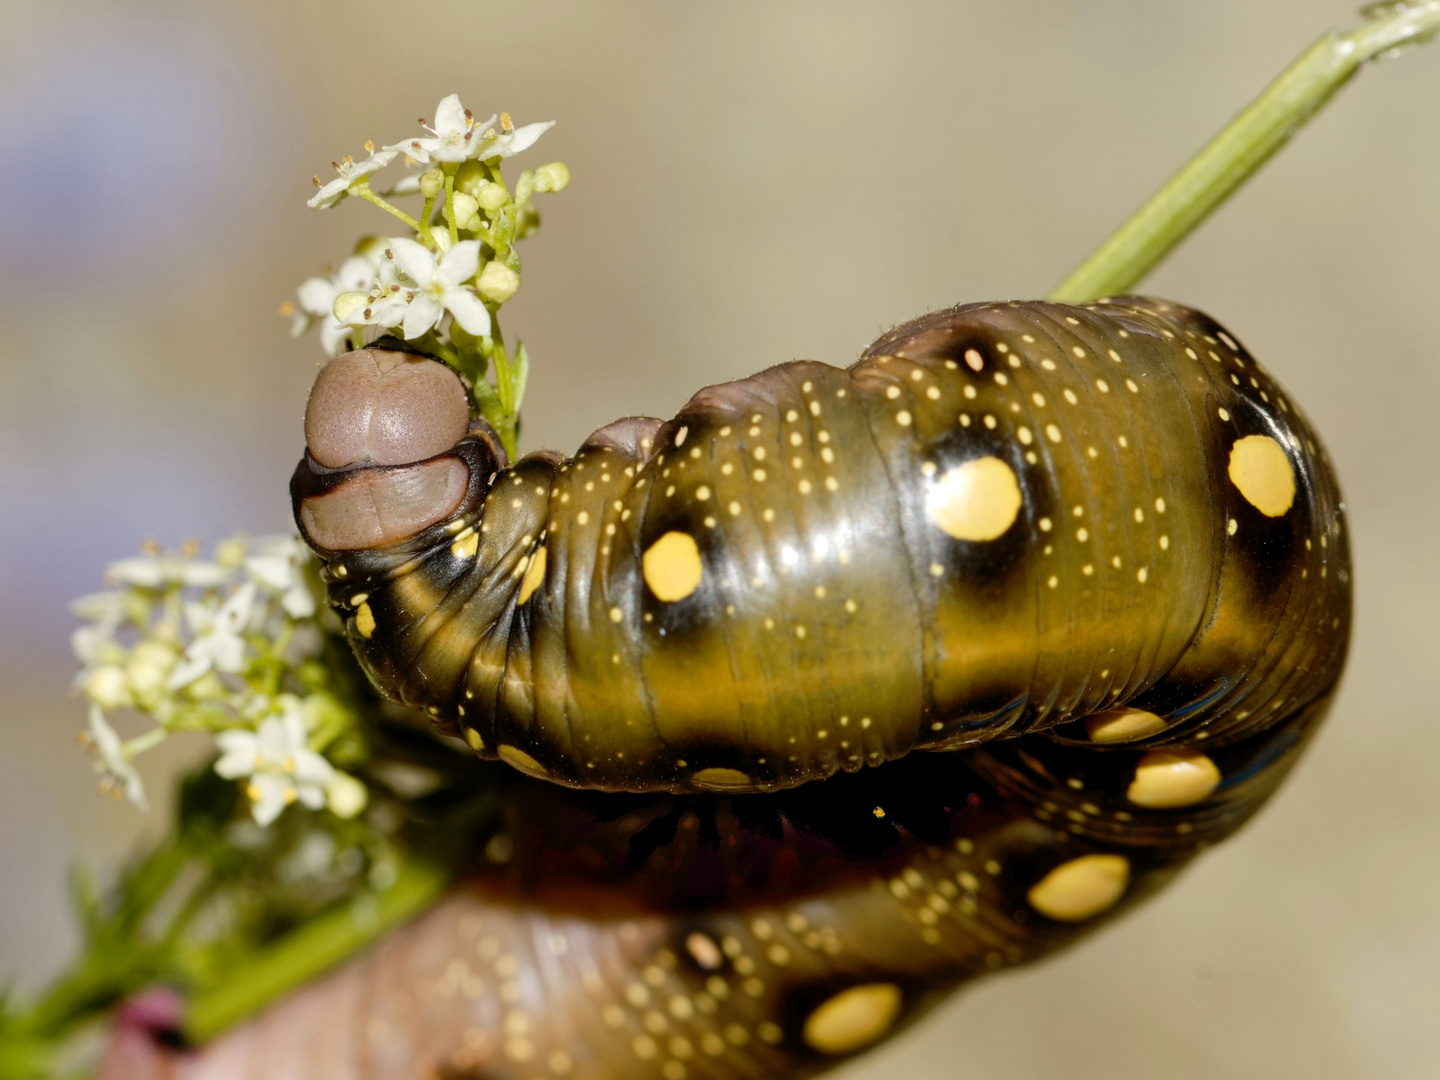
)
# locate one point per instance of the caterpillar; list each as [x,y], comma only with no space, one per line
[1092,557]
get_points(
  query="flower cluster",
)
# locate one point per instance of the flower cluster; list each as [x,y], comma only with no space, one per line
[442,286]
[225,645]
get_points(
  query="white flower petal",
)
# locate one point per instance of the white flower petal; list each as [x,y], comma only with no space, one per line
[275,572]
[269,795]
[298,602]
[355,273]
[200,574]
[423,313]
[525,137]
[459,264]
[238,740]
[469,311]
[235,764]
[504,145]
[316,295]
[107,742]
[311,768]
[193,664]
[99,607]
[329,195]
[449,115]
[87,641]
[112,759]
[235,612]
[414,259]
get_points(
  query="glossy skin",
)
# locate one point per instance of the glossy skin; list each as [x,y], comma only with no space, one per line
[632,937]
[1119,726]
[803,572]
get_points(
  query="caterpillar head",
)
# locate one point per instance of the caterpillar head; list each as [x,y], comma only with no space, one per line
[390,450]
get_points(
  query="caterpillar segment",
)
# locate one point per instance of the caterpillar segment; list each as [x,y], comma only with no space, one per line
[1005,518]
[760,935]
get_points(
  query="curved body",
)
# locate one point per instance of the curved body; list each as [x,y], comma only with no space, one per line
[1004,518]
[1093,551]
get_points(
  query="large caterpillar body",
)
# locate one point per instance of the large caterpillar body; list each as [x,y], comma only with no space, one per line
[1003,518]
[1094,550]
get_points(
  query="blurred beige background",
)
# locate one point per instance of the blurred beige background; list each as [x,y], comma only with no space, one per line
[754,182]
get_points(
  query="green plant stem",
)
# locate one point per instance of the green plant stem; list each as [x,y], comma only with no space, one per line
[313,948]
[1246,143]
[363,190]
[450,204]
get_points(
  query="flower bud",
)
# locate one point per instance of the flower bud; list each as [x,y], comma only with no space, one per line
[108,687]
[497,282]
[149,664]
[231,551]
[524,187]
[492,197]
[345,795]
[552,177]
[349,303]
[470,178]
[465,207]
[432,182]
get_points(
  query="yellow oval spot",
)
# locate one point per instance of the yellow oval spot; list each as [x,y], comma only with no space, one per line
[466,546]
[975,501]
[1261,469]
[1122,725]
[534,576]
[704,951]
[853,1018]
[365,620]
[473,738]
[1081,888]
[672,566]
[513,755]
[1165,780]
[719,779]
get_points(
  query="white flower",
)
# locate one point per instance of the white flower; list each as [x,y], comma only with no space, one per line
[317,295]
[112,759]
[438,286]
[276,566]
[454,136]
[351,172]
[217,644]
[511,140]
[280,768]
[385,303]
[95,644]
[155,571]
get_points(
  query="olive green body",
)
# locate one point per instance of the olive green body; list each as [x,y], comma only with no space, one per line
[799,574]
[1095,551]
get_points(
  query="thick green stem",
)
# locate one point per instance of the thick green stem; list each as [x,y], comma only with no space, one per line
[1246,143]
[312,949]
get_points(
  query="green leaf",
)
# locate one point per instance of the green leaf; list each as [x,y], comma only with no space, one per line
[519,373]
